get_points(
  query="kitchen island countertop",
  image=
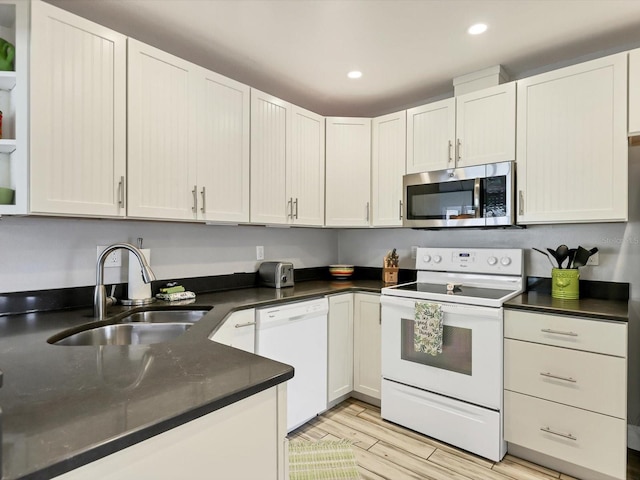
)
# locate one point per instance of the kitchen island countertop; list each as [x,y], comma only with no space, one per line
[63,407]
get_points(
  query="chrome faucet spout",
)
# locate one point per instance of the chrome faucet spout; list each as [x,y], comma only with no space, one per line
[100,293]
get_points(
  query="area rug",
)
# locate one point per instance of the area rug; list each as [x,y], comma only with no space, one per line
[322,460]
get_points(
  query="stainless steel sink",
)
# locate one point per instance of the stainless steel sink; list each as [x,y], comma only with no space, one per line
[126,334]
[164,316]
[138,328]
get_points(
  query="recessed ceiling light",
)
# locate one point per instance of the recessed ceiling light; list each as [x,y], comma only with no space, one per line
[477,29]
[354,74]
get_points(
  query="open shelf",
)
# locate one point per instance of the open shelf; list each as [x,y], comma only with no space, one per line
[7,80]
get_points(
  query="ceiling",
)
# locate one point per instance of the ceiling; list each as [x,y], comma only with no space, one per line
[408,50]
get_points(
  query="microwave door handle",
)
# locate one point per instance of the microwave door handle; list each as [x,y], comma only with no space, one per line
[476,197]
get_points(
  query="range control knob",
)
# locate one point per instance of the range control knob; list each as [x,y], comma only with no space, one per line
[505,261]
[426,258]
[492,260]
[437,258]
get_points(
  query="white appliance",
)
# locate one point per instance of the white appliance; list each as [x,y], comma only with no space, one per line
[296,334]
[454,396]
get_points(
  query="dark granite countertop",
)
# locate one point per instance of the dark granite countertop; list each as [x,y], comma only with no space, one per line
[66,406]
[595,308]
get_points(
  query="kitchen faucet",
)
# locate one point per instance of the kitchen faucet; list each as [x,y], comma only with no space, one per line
[100,293]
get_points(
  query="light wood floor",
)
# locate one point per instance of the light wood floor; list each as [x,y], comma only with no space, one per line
[387,451]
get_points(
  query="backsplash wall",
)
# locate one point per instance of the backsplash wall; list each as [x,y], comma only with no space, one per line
[44,253]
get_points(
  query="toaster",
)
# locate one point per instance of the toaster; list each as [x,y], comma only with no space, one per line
[276,274]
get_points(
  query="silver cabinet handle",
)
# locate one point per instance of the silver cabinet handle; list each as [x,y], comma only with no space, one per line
[459,149]
[400,210]
[290,208]
[557,377]
[521,207]
[204,200]
[121,192]
[240,325]
[367,211]
[564,435]
[296,204]
[194,192]
[559,332]
[450,151]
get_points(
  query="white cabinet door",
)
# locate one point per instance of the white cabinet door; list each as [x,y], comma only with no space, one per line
[572,144]
[634,92]
[367,370]
[340,344]
[270,149]
[348,170]
[431,134]
[305,172]
[223,149]
[238,331]
[161,136]
[486,126]
[387,168]
[78,115]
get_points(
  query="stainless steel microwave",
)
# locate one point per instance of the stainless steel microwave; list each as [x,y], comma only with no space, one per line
[477,196]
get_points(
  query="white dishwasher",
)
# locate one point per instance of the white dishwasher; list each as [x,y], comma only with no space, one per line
[296,334]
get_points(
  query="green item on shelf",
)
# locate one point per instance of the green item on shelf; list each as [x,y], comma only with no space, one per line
[7,55]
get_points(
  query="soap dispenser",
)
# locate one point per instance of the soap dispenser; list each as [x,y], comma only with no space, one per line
[139,293]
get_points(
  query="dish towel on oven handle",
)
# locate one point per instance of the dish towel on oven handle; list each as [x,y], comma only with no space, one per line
[427,330]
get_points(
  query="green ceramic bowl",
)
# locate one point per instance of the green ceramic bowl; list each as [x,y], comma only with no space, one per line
[6,196]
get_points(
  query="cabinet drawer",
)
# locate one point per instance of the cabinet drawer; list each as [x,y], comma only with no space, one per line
[572,332]
[596,442]
[581,379]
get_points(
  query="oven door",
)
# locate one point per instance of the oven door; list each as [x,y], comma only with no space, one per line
[470,365]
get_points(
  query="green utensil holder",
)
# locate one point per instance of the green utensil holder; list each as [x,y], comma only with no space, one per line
[565,283]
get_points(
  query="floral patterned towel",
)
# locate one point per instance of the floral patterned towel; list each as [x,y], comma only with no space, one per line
[427,330]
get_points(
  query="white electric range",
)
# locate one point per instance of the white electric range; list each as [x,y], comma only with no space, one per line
[454,396]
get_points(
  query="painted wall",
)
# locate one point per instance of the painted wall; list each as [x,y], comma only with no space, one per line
[43,253]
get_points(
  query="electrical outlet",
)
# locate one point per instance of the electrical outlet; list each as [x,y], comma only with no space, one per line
[414,252]
[259,252]
[594,259]
[114,259]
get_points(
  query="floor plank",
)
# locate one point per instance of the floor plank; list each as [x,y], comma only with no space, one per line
[386,451]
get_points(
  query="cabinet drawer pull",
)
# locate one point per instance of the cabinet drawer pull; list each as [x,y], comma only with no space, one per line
[559,332]
[240,325]
[194,192]
[204,200]
[450,151]
[566,379]
[121,192]
[563,435]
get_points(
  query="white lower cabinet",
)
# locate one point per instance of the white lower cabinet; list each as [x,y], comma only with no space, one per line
[367,370]
[244,440]
[340,346]
[565,398]
[238,331]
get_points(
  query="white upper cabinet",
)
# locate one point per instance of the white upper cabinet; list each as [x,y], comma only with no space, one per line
[387,168]
[634,92]
[486,125]
[78,115]
[270,149]
[161,135]
[305,171]
[431,136]
[348,172]
[572,144]
[223,149]
[470,129]
[14,141]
